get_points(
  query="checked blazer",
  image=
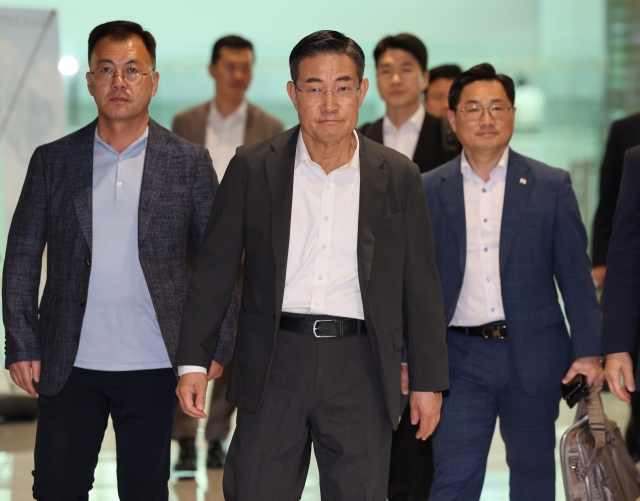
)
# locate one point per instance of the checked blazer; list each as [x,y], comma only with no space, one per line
[55,209]
[542,242]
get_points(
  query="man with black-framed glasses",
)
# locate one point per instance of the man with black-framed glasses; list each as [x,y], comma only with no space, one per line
[338,255]
[117,204]
[507,229]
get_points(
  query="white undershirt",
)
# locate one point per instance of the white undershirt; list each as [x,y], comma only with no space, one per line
[322,263]
[405,138]
[224,134]
[480,300]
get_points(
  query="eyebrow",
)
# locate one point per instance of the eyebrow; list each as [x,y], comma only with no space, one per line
[344,78]
[130,61]
[476,101]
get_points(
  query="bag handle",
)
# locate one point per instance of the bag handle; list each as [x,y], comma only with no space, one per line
[592,406]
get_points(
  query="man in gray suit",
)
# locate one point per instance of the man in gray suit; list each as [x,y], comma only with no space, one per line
[221,125]
[116,204]
[340,267]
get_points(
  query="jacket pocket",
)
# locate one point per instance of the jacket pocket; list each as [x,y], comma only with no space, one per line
[548,316]
[398,338]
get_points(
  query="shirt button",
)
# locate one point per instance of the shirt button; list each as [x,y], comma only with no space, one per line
[119,184]
[493,309]
[485,249]
[119,159]
[485,219]
[484,190]
[317,303]
[324,247]
[328,187]
[488,279]
[87,262]
[320,277]
[326,218]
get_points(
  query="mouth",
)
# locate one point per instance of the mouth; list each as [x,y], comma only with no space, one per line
[118,100]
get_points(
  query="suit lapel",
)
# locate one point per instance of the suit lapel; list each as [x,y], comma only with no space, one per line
[252,131]
[375,132]
[426,145]
[516,193]
[373,188]
[156,165]
[80,165]
[279,166]
[451,194]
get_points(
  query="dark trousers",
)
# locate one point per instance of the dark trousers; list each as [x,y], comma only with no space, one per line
[71,427]
[324,392]
[483,388]
[411,470]
[219,415]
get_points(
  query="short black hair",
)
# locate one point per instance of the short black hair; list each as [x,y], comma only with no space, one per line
[480,72]
[450,71]
[231,41]
[325,42]
[404,41]
[119,31]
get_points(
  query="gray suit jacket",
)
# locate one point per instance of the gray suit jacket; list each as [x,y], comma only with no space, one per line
[396,268]
[191,124]
[55,209]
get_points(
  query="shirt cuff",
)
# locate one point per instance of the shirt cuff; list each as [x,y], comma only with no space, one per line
[186,369]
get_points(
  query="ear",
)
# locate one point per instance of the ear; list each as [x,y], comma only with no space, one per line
[451,116]
[425,82]
[88,76]
[156,80]
[291,90]
[364,88]
[212,71]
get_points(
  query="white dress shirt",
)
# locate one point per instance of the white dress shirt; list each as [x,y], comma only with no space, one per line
[322,264]
[480,299]
[223,135]
[405,138]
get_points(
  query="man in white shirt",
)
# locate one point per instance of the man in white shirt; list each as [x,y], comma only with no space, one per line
[340,267]
[221,125]
[402,78]
[507,230]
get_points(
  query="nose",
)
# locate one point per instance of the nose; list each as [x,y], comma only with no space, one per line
[117,76]
[486,117]
[330,103]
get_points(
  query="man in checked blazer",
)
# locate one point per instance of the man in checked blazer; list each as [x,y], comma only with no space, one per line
[339,263]
[221,125]
[116,204]
[507,230]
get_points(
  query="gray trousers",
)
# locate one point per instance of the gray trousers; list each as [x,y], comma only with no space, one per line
[324,392]
[218,417]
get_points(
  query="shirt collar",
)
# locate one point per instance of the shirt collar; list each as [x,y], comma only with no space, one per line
[239,113]
[499,172]
[136,143]
[302,154]
[415,121]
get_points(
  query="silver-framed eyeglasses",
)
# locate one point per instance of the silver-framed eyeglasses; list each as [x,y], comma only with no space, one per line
[105,75]
[315,93]
[473,112]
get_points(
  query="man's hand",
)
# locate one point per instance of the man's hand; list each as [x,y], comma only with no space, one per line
[598,273]
[215,371]
[616,365]
[425,409]
[23,373]
[190,385]
[404,379]
[587,366]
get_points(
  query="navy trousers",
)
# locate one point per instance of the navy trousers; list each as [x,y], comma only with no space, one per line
[483,387]
[71,427]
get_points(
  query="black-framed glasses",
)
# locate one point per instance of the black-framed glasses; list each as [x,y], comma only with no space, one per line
[105,75]
[472,112]
[315,93]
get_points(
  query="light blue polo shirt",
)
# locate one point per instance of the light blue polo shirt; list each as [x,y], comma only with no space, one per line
[120,331]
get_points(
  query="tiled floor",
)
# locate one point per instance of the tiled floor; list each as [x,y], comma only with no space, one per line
[16,459]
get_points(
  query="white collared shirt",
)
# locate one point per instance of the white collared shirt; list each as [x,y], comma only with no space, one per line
[224,134]
[405,138]
[480,299]
[322,264]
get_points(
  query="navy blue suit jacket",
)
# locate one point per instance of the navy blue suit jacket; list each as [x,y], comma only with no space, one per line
[622,291]
[542,241]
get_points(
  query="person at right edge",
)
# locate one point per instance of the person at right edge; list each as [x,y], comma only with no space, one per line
[622,293]
[507,229]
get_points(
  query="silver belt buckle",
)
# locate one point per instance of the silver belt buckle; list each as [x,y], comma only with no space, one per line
[315,323]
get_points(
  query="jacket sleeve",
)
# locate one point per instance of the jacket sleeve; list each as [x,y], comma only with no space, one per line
[622,291]
[423,305]
[22,266]
[572,270]
[610,175]
[213,280]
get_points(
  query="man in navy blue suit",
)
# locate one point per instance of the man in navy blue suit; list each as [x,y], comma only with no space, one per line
[622,293]
[507,230]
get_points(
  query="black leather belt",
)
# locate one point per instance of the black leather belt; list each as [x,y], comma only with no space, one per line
[322,326]
[491,331]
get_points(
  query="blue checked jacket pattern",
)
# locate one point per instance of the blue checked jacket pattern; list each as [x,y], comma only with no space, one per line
[55,210]
[543,242]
